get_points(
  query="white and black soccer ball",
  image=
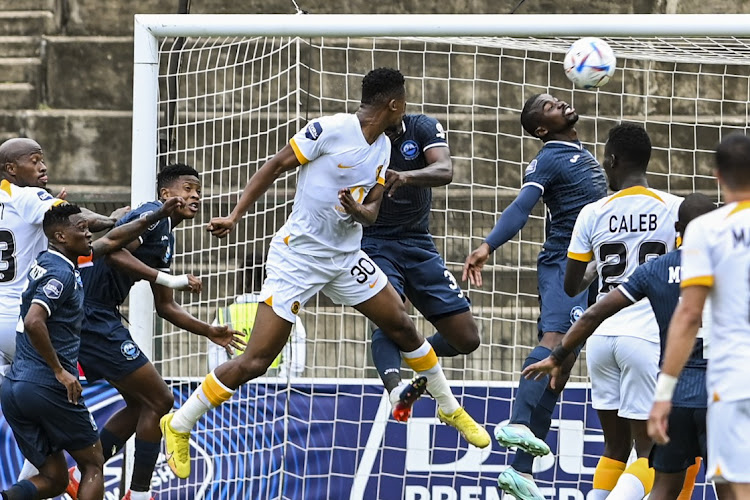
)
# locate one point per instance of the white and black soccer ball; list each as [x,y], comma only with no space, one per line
[589,63]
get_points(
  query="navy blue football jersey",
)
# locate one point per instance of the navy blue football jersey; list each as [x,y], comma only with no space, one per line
[570,178]
[407,212]
[108,286]
[659,281]
[55,284]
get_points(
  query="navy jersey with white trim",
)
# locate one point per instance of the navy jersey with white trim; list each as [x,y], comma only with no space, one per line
[109,286]
[55,284]
[407,212]
[570,178]
[659,281]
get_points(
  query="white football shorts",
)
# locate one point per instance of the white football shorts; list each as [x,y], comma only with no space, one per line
[293,278]
[623,374]
[728,429]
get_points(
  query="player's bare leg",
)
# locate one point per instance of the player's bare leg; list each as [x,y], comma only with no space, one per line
[266,341]
[387,311]
[667,486]
[637,479]
[148,398]
[90,462]
[724,491]
[49,482]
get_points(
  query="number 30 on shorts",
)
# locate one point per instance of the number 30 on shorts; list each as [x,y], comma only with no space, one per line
[452,283]
[363,270]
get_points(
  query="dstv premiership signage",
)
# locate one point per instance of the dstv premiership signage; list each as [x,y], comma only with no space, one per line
[332,440]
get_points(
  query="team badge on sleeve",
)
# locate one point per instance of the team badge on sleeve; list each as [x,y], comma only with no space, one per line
[44,195]
[313,131]
[531,168]
[53,289]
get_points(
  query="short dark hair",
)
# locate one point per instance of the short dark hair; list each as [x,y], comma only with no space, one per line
[694,205]
[732,160]
[381,85]
[57,216]
[172,172]
[630,143]
[530,116]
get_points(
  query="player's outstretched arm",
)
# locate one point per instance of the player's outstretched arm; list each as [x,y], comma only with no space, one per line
[124,234]
[366,213]
[35,326]
[168,309]
[581,330]
[438,172]
[511,221]
[98,222]
[683,329]
[258,184]
[125,261]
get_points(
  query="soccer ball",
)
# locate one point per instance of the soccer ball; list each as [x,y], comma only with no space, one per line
[589,63]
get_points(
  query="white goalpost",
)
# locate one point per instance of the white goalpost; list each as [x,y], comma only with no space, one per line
[223,93]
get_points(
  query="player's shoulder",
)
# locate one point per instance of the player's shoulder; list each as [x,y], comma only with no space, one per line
[142,210]
[27,193]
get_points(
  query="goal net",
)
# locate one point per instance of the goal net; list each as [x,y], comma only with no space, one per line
[224,99]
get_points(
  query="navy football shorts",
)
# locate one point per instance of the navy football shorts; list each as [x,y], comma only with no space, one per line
[417,271]
[107,349]
[44,422]
[687,440]
[557,311]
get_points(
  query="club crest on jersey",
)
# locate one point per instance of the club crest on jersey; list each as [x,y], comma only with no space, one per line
[130,350]
[575,314]
[53,289]
[313,131]
[44,195]
[531,168]
[409,150]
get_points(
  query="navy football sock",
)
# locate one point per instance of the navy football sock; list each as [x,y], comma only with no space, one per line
[441,346]
[22,490]
[529,391]
[387,359]
[541,419]
[111,444]
[144,463]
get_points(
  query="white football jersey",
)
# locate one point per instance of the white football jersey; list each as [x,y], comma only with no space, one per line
[334,155]
[621,232]
[716,254]
[22,211]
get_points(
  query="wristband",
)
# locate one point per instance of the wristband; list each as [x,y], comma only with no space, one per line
[665,385]
[170,281]
[560,353]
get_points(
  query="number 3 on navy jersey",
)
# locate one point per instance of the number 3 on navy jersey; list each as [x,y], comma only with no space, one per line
[615,258]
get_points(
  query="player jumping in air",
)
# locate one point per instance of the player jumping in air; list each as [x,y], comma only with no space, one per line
[568,177]
[716,264]
[107,348]
[619,233]
[401,245]
[658,281]
[41,398]
[344,158]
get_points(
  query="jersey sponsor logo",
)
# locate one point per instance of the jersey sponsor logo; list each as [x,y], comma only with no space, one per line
[575,158]
[575,314]
[313,131]
[130,350]
[44,195]
[53,289]
[37,271]
[531,168]
[409,150]
[440,130]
